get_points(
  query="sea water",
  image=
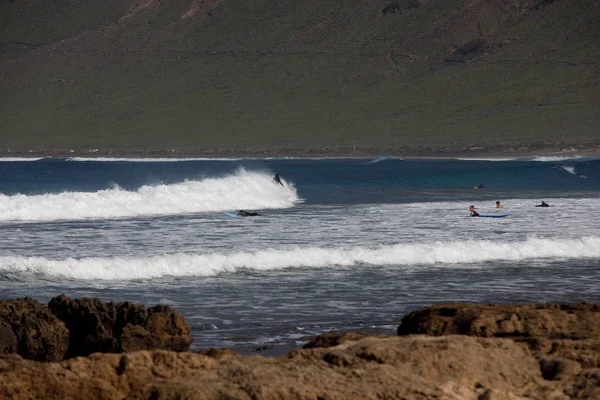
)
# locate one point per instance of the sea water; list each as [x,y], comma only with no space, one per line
[345,244]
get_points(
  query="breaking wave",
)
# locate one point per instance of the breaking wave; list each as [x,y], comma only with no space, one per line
[491,159]
[380,159]
[146,160]
[250,190]
[21,159]
[187,265]
[555,158]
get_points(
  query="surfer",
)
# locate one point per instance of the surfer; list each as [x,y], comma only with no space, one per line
[499,205]
[277,179]
[243,213]
[480,186]
[544,204]
[473,212]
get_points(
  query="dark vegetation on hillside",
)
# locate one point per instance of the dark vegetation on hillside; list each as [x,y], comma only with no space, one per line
[299,76]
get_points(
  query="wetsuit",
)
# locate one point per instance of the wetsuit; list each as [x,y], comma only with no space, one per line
[247,214]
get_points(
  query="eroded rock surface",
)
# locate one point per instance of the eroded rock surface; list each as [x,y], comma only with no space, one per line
[421,367]
[564,338]
[123,327]
[28,328]
[552,321]
[447,352]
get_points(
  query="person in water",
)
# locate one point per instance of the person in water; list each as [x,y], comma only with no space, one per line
[473,212]
[277,179]
[243,213]
[499,205]
[544,204]
[480,186]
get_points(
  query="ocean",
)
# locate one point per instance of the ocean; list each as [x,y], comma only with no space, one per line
[345,245]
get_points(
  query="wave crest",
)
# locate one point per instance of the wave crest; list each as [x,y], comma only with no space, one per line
[186,265]
[248,190]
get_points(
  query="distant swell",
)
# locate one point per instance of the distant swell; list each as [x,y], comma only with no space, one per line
[146,160]
[20,159]
[417,255]
[555,158]
[380,159]
[250,190]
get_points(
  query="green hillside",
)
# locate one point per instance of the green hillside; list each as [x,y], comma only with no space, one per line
[293,76]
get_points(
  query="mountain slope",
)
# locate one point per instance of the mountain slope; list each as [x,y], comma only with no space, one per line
[294,76]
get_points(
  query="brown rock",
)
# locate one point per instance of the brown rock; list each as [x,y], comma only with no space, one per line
[8,340]
[584,352]
[564,338]
[124,327]
[558,368]
[334,339]
[567,321]
[416,367]
[28,328]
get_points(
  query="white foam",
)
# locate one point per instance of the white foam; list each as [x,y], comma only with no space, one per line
[380,159]
[146,160]
[555,158]
[176,159]
[13,159]
[488,159]
[242,190]
[186,265]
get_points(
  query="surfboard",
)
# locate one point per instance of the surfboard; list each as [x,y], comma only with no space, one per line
[495,216]
[231,215]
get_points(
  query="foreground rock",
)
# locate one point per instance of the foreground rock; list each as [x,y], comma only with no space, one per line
[419,367]
[552,321]
[564,338]
[448,352]
[124,327]
[28,328]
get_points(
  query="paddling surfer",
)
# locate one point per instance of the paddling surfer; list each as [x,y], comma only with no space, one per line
[473,212]
[243,213]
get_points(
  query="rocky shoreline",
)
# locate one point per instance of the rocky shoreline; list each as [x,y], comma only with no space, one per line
[86,349]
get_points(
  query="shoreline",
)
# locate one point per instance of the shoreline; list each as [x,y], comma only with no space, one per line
[193,155]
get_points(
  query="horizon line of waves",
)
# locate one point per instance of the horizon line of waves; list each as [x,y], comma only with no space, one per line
[491,159]
[187,159]
[242,190]
[21,159]
[202,265]
[148,159]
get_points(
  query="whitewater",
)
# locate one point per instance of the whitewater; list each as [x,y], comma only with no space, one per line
[186,265]
[239,190]
[349,244]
